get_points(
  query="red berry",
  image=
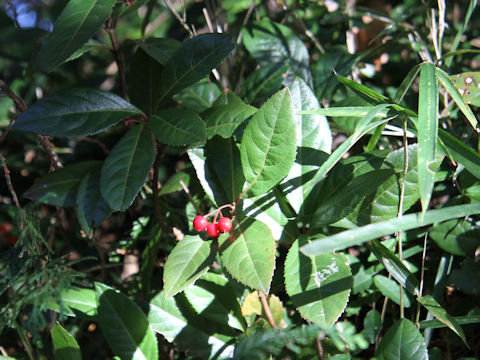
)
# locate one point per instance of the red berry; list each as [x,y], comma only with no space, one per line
[225,224]
[12,239]
[213,230]
[200,223]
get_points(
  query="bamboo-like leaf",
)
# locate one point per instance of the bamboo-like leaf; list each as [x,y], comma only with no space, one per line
[427,132]
[66,347]
[460,153]
[376,230]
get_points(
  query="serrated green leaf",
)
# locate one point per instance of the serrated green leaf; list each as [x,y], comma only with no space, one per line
[318,286]
[144,86]
[441,314]
[192,61]
[226,114]
[402,341]
[389,288]
[178,127]
[376,230]
[313,133]
[199,96]
[458,236]
[124,325]
[92,208]
[160,49]
[223,158]
[75,112]
[189,260]
[272,43]
[66,347]
[263,83]
[248,253]
[126,167]
[60,187]
[427,132]
[77,23]
[268,144]
[176,320]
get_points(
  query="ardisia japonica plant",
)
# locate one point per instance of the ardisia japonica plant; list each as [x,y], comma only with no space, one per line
[332,148]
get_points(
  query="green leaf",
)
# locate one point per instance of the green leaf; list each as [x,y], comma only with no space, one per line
[77,23]
[318,286]
[77,302]
[441,314]
[458,236]
[160,49]
[461,320]
[248,253]
[173,183]
[389,288]
[371,96]
[199,96]
[189,260]
[263,83]
[376,230]
[467,278]
[75,112]
[269,144]
[144,86]
[66,347]
[460,152]
[456,96]
[92,207]
[60,187]
[124,325]
[402,341]
[126,167]
[252,305]
[394,266]
[223,158]
[313,133]
[149,257]
[372,325]
[427,132]
[192,61]
[197,330]
[272,43]
[226,114]
[344,200]
[178,127]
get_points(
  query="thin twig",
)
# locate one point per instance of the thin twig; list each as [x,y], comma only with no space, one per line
[11,188]
[20,106]
[266,309]
[319,348]
[187,192]
[422,271]
[245,20]
[110,27]
[55,162]
[94,141]
[181,20]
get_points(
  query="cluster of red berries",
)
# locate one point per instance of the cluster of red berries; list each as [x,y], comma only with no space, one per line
[214,229]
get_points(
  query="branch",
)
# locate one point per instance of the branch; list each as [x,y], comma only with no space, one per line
[110,27]
[266,309]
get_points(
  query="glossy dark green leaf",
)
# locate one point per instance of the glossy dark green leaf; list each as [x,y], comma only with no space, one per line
[225,115]
[272,43]
[199,96]
[402,341]
[248,253]
[149,257]
[441,314]
[189,260]
[192,61]
[458,236]
[60,187]
[144,84]
[92,208]
[66,347]
[372,325]
[376,230]
[269,144]
[427,132]
[173,183]
[75,112]
[160,49]
[263,83]
[77,23]
[223,158]
[126,167]
[77,302]
[178,127]
[466,278]
[124,325]
[318,286]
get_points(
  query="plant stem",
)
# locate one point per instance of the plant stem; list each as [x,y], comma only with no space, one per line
[110,27]
[26,343]
[266,309]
